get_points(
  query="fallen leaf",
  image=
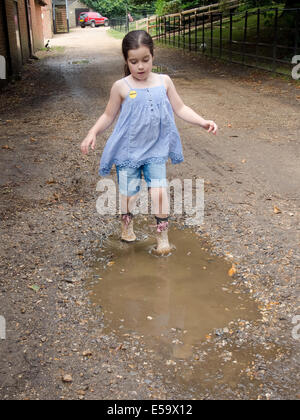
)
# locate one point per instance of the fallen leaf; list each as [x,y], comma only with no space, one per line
[34,287]
[232,271]
[170,362]
[81,393]
[67,379]
[110,263]
[6,147]
[276,210]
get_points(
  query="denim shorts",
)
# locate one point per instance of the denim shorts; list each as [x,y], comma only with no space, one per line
[129,179]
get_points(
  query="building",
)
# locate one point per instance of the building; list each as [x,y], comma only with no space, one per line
[60,16]
[66,14]
[75,8]
[23,26]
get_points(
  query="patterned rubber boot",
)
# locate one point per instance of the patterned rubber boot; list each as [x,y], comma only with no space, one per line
[163,246]
[128,234]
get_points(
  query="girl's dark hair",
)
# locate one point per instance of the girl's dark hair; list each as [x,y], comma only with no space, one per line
[132,41]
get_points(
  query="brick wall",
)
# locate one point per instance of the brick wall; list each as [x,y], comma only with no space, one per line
[3,43]
[15,32]
[73,5]
[47,21]
[23,30]
[3,47]
[14,36]
[37,25]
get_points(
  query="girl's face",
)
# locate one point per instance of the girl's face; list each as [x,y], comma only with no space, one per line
[140,62]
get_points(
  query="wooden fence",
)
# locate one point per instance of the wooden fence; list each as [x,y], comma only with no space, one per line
[265,38]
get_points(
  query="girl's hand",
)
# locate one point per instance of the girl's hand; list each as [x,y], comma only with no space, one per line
[90,140]
[210,126]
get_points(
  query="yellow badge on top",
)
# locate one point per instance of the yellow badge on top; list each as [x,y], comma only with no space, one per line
[132,94]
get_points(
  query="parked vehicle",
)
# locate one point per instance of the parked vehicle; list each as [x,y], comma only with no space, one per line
[92,19]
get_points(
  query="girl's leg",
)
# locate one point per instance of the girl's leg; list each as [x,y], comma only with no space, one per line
[128,179]
[160,203]
[127,204]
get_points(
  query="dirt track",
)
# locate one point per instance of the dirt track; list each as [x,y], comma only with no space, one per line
[49,226]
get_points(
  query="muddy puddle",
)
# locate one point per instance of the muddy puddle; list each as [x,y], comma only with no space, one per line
[173,302]
[182,316]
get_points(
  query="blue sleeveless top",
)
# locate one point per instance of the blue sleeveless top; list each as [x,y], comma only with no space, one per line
[145,131]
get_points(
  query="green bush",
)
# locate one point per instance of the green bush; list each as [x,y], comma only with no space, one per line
[173,6]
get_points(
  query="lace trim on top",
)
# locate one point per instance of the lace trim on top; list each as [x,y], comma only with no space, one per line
[175,158]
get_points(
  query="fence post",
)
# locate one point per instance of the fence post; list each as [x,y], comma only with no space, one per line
[257,36]
[174,27]
[230,36]
[297,23]
[221,34]
[159,19]
[211,33]
[196,30]
[184,32]
[245,36]
[275,40]
[190,40]
[179,30]
[203,33]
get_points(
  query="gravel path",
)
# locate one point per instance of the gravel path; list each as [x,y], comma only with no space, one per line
[50,229]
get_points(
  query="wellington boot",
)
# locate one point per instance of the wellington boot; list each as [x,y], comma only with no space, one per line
[128,234]
[163,245]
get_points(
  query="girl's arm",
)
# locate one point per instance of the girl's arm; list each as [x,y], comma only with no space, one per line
[106,119]
[186,113]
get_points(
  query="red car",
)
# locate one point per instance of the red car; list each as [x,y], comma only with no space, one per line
[92,19]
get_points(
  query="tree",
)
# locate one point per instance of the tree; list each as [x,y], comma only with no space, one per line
[292,4]
[107,8]
[116,8]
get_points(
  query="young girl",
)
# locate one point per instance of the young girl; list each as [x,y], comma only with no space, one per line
[145,135]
